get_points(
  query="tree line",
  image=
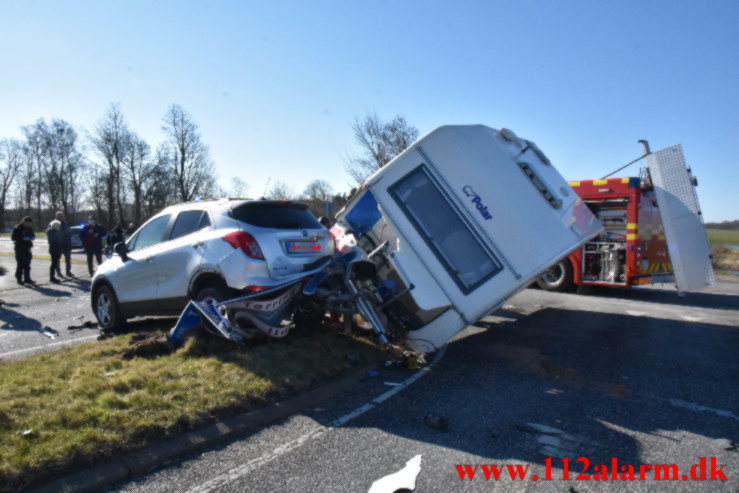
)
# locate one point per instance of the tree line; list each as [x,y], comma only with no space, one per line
[114,174]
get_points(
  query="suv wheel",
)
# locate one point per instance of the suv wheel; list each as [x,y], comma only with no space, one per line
[107,311]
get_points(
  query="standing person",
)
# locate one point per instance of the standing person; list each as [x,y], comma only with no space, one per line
[53,235]
[117,235]
[131,230]
[92,235]
[66,241]
[23,237]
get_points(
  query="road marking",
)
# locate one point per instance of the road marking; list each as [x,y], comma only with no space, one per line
[691,406]
[403,480]
[218,482]
[52,344]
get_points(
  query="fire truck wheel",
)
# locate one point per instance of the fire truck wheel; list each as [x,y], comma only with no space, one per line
[559,277]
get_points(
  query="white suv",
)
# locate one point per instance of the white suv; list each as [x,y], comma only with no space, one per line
[208,250]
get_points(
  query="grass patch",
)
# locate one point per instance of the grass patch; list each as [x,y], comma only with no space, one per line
[723,236]
[78,405]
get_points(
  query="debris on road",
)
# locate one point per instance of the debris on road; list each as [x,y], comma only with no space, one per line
[87,324]
[403,480]
[538,429]
[439,423]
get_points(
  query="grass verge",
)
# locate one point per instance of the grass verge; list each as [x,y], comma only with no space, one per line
[724,236]
[68,409]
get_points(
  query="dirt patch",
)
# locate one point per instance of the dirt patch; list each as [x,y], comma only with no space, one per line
[147,346]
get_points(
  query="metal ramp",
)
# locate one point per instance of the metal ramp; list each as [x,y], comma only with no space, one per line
[681,216]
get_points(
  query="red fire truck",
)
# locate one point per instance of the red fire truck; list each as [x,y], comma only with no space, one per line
[635,247]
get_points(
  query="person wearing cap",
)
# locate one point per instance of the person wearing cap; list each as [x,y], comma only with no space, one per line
[23,237]
[92,235]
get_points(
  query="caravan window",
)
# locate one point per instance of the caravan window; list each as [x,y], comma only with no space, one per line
[453,242]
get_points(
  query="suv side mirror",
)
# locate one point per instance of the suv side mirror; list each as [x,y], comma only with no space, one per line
[122,250]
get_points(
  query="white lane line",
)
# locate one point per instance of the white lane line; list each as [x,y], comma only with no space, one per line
[691,318]
[691,406]
[52,344]
[218,482]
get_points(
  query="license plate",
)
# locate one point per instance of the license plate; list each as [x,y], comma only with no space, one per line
[303,247]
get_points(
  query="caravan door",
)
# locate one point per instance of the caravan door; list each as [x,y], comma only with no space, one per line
[678,206]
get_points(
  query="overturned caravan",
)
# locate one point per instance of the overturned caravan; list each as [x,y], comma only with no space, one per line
[435,240]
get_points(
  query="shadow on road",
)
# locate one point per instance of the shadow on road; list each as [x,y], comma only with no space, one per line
[667,296]
[595,380]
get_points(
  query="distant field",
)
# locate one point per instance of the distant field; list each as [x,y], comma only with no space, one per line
[723,236]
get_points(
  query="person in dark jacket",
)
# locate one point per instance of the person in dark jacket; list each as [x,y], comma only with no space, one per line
[66,241]
[118,235]
[53,235]
[23,237]
[92,235]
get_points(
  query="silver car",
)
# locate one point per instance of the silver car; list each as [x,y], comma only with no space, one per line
[208,250]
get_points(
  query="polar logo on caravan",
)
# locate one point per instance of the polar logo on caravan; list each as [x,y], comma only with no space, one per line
[477,201]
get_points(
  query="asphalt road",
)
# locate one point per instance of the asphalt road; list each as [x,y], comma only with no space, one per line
[643,376]
[37,317]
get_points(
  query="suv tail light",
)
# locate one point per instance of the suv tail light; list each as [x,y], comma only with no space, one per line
[246,242]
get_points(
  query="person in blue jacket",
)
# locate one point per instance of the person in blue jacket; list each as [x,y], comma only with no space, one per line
[92,236]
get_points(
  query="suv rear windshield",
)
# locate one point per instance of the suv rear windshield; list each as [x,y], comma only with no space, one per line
[278,216]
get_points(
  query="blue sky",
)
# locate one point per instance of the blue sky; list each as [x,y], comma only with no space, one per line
[275,86]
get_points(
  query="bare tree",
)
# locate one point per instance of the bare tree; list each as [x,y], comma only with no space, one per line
[380,142]
[11,154]
[157,189]
[187,158]
[138,170]
[109,140]
[281,191]
[239,187]
[35,150]
[319,190]
[318,194]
